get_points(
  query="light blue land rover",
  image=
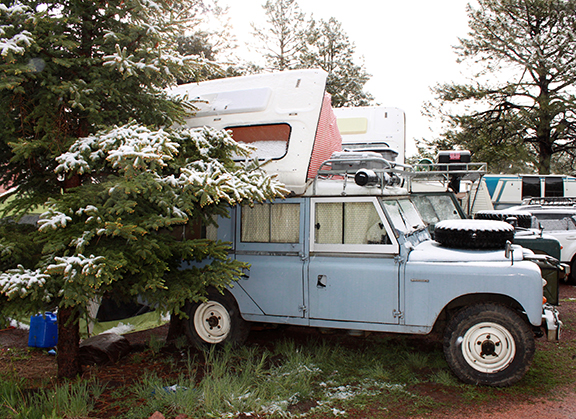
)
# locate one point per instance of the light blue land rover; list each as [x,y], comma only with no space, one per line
[352,252]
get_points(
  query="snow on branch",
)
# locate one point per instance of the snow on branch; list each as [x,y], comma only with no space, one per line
[21,282]
[52,220]
[13,39]
[128,145]
[74,267]
[211,175]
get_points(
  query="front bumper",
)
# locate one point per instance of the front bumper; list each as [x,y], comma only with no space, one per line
[551,322]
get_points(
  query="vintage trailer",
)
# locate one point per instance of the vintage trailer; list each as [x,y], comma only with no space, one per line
[510,190]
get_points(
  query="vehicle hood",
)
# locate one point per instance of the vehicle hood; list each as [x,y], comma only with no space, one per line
[431,251]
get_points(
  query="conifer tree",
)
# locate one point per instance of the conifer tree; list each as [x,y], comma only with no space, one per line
[328,47]
[517,112]
[86,133]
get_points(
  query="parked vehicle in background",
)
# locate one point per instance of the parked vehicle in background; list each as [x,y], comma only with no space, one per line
[555,217]
[510,190]
[349,250]
[437,206]
[373,128]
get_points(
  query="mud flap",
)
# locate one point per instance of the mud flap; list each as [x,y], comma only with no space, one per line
[551,322]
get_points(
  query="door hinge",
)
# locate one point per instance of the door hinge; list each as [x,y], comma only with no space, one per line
[302,308]
[397,313]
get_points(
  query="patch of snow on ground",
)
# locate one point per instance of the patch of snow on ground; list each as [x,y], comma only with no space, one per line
[120,329]
[18,325]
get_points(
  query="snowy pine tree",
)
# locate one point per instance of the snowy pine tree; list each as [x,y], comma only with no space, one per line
[87,134]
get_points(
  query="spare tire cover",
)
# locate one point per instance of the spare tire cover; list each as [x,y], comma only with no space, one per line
[524,218]
[473,234]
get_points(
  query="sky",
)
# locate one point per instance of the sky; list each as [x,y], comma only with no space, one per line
[406,45]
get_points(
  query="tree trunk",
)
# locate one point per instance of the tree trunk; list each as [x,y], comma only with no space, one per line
[544,158]
[68,343]
[176,328]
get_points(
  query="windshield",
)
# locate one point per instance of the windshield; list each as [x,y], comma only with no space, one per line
[434,208]
[403,215]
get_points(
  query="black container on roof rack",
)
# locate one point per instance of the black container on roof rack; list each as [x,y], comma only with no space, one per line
[454,156]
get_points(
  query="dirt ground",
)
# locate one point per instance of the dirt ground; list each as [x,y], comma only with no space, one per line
[39,365]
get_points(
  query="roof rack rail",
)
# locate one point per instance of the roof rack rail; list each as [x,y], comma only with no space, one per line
[550,201]
[435,171]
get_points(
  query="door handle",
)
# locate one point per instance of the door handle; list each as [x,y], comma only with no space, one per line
[322,281]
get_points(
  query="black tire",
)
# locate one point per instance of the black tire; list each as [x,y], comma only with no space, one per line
[523,218]
[216,322]
[473,234]
[489,344]
[572,276]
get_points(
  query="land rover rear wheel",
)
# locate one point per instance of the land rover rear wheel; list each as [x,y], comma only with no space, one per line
[489,344]
[216,321]
[473,234]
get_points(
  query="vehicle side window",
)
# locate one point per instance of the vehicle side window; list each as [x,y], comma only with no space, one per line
[557,222]
[271,223]
[348,223]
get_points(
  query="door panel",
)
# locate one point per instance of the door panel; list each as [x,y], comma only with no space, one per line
[353,289]
[353,275]
[270,238]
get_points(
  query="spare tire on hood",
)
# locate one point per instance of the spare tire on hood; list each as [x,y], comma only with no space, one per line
[473,234]
[523,218]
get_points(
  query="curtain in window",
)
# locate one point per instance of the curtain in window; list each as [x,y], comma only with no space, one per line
[256,223]
[360,219]
[285,223]
[329,223]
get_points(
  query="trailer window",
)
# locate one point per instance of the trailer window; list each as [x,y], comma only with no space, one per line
[270,140]
[271,223]
[554,187]
[531,187]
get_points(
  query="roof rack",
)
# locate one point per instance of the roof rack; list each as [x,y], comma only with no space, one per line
[550,201]
[366,168]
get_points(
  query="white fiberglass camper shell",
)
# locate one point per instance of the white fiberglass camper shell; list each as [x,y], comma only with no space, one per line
[349,250]
[286,115]
[373,128]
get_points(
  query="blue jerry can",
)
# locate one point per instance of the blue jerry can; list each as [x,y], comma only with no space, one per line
[43,331]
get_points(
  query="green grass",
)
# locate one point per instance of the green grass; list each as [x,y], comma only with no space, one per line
[69,400]
[317,377]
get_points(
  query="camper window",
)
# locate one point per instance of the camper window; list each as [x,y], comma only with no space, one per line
[271,140]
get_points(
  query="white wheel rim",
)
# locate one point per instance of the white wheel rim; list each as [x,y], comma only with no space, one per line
[212,322]
[488,347]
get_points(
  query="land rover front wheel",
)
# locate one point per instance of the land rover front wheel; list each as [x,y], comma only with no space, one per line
[215,321]
[489,344]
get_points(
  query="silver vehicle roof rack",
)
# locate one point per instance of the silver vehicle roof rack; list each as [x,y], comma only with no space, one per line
[550,201]
[439,171]
[365,167]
